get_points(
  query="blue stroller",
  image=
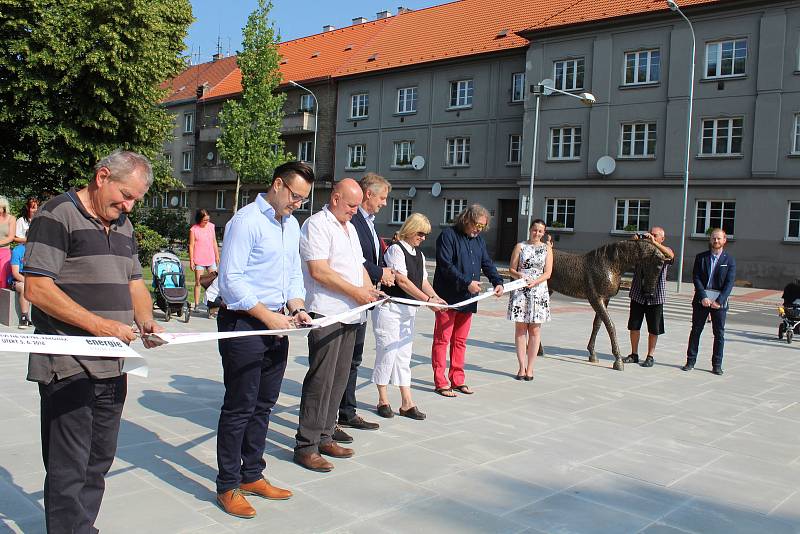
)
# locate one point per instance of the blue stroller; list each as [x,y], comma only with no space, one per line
[169,285]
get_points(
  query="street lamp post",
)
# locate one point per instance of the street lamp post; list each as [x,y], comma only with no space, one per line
[674,7]
[545,88]
[316,125]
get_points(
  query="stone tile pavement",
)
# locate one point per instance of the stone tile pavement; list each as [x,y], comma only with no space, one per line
[581,449]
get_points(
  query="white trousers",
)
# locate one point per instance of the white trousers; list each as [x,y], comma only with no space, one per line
[393,325]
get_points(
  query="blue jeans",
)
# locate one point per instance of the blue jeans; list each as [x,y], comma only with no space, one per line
[699,316]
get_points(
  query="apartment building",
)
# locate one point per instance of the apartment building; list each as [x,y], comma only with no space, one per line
[745,133]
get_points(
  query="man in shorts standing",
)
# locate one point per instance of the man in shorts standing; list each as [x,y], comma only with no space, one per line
[650,307]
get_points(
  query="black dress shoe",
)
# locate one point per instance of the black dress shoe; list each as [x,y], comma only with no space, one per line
[631,358]
[648,362]
[717,370]
[358,423]
[384,410]
[687,367]
[340,436]
[412,413]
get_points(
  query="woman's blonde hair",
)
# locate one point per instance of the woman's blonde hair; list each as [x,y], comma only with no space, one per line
[5,207]
[416,222]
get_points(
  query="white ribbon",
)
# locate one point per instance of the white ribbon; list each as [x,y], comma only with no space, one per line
[134,363]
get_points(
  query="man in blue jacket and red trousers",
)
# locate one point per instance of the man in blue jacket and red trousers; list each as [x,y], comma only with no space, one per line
[713,274]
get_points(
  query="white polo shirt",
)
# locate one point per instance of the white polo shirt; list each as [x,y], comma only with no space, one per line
[322,237]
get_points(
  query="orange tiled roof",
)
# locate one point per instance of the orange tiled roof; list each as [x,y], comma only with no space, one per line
[309,58]
[184,85]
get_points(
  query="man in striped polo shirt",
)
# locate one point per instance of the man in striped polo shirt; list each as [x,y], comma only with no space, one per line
[82,274]
[648,307]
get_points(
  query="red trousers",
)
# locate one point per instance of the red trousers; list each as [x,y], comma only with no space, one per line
[452,329]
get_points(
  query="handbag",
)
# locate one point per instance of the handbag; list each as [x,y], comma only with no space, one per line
[208,278]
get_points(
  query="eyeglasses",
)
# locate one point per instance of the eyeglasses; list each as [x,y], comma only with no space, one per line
[479,226]
[422,234]
[294,196]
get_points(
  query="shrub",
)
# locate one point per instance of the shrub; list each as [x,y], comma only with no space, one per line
[170,223]
[149,242]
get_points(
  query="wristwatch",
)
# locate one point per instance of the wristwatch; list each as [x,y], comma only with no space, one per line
[298,310]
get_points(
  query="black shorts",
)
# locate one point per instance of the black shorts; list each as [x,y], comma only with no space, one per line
[654,313]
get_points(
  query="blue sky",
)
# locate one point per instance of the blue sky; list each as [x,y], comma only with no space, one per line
[294,18]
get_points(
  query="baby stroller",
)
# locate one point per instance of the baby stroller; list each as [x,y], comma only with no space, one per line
[790,312]
[169,285]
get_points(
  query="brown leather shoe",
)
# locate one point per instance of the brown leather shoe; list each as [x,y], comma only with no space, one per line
[313,461]
[263,488]
[234,503]
[335,450]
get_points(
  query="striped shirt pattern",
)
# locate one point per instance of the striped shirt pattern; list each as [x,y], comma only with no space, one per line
[92,267]
[660,294]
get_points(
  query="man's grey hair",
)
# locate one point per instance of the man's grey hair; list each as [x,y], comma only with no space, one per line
[122,163]
[375,183]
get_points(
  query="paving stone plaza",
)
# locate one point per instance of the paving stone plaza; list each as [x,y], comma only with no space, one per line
[581,449]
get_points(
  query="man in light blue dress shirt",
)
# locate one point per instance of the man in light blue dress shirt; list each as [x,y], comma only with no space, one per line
[261,285]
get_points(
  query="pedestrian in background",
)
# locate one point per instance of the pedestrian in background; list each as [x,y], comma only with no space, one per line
[24,220]
[8,227]
[203,249]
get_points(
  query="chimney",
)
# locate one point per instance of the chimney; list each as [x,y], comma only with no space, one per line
[217,56]
[359,20]
[382,15]
[401,10]
[328,28]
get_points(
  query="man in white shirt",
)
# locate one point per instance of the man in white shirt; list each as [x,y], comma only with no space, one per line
[336,282]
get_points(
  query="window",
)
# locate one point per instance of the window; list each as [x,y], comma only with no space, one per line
[722,137]
[407,100]
[715,214]
[461,94]
[796,136]
[514,148]
[633,215]
[168,158]
[568,74]
[793,222]
[642,67]
[638,140]
[165,199]
[187,161]
[359,106]
[244,197]
[401,209]
[518,87]
[565,143]
[452,207]
[305,150]
[356,156]
[188,123]
[154,201]
[726,58]
[560,213]
[403,153]
[220,205]
[184,199]
[457,152]
[306,102]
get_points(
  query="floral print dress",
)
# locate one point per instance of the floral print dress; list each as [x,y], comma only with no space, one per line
[531,305]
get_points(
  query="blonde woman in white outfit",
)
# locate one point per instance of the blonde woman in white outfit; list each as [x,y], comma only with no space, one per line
[394,323]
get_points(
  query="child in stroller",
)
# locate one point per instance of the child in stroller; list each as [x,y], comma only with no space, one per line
[790,311]
[169,284]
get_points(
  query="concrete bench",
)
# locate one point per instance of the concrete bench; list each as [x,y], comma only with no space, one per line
[9,308]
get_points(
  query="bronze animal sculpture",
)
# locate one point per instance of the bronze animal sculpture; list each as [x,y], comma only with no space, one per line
[596,276]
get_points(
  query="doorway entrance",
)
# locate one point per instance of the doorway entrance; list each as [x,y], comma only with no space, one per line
[507,228]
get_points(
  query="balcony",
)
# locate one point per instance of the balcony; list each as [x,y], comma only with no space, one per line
[209,129]
[215,173]
[300,122]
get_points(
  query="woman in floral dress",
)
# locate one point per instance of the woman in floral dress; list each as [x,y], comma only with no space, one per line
[529,307]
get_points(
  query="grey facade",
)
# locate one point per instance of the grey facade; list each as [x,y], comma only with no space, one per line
[487,121]
[745,140]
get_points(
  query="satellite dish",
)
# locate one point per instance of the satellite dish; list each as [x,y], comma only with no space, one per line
[412,192]
[606,165]
[418,163]
[436,189]
[210,156]
[548,86]
[174,201]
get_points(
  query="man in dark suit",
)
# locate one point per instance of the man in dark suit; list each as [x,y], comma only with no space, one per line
[376,190]
[714,273]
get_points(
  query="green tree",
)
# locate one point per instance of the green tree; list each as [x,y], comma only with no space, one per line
[250,141]
[79,78]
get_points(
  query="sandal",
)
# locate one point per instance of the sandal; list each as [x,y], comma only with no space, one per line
[463,388]
[445,392]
